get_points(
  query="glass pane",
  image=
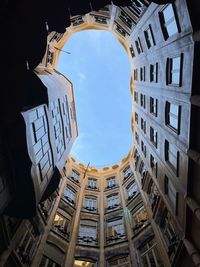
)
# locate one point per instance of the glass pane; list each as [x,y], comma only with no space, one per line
[168,13]
[172,28]
[174,109]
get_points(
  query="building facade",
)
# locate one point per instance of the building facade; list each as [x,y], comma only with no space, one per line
[143,211]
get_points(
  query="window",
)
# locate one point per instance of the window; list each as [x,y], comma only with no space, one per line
[148,33]
[140,220]
[172,156]
[120,30]
[153,165]
[143,125]
[100,20]
[47,262]
[75,175]
[111,182]
[69,195]
[153,137]
[137,138]
[174,70]
[154,106]
[154,72]
[138,46]
[119,262]
[126,19]
[92,183]
[171,192]
[169,22]
[113,201]
[87,231]
[127,172]
[135,74]
[172,116]
[136,96]
[143,101]
[90,203]
[132,51]
[143,148]
[142,74]
[136,117]
[115,230]
[61,225]
[132,190]
[149,255]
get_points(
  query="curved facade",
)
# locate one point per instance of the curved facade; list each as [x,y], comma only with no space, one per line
[145,210]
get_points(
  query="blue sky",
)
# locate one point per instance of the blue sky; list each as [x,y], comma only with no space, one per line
[99,69]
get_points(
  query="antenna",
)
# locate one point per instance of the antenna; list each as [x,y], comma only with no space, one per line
[62,50]
[86,170]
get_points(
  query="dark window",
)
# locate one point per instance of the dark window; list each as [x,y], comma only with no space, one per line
[173,116]
[138,46]
[154,72]
[174,71]
[171,192]
[100,20]
[132,51]
[143,101]
[168,21]
[154,106]
[148,33]
[143,148]
[153,165]
[153,136]
[126,19]
[136,96]
[142,74]
[136,117]
[172,156]
[135,74]
[143,125]
[137,137]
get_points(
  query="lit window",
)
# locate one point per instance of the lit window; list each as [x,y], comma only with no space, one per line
[143,125]
[172,156]
[112,201]
[154,165]
[143,101]
[171,192]
[47,262]
[154,106]
[61,225]
[90,204]
[148,33]
[132,190]
[69,195]
[92,183]
[172,116]
[111,182]
[153,136]
[138,46]
[154,72]
[168,21]
[174,71]
[115,230]
[75,175]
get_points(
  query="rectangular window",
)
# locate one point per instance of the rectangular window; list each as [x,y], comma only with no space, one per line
[132,51]
[173,116]
[111,182]
[153,136]
[126,19]
[61,225]
[171,192]
[135,72]
[92,183]
[112,201]
[154,106]
[149,255]
[69,195]
[115,230]
[90,204]
[87,233]
[47,262]
[138,45]
[143,125]
[143,101]
[132,190]
[136,117]
[154,72]
[143,148]
[142,74]
[136,96]
[137,138]
[174,70]
[168,21]
[172,156]
[127,172]
[154,165]
[148,33]
[75,175]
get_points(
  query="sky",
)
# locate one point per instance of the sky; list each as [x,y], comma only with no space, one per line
[99,69]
